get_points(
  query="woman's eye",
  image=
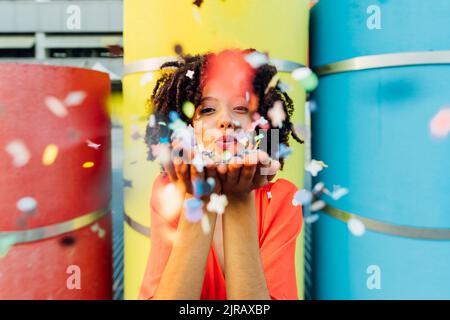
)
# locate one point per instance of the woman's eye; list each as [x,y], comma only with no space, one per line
[241,109]
[206,110]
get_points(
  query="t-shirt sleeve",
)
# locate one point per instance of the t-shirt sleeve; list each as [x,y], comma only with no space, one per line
[160,247]
[282,222]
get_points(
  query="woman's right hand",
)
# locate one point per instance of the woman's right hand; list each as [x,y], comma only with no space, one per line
[183,173]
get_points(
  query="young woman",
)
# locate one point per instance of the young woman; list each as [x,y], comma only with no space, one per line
[250,251]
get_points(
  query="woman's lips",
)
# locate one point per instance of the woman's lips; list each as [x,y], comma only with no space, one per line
[226,142]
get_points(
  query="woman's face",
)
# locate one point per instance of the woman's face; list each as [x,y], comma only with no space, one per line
[222,117]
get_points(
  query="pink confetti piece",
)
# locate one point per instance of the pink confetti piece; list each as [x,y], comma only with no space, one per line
[440,124]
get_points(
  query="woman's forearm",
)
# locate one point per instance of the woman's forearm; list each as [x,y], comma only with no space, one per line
[184,273]
[244,271]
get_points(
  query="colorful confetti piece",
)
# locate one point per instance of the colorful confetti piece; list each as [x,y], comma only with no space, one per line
[88,164]
[188,109]
[306,77]
[440,124]
[193,209]
[49,155]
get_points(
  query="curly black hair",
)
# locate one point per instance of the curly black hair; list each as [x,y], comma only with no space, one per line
[174,88]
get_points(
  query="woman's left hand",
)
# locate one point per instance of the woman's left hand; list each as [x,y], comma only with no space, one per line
[241,176]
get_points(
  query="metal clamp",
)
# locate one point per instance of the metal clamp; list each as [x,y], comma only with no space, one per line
[385,61]
[391,229]
[136,226]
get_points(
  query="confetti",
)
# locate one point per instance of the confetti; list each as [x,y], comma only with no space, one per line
[135,135]
[311,105]
[26,204]
[206,226]
[283,152]
[88,164]
[19,152]
[318,188]
[338,192]
[302,131]
[99,230]
[302,197]
[75,98]
[188,109]
[127,183]
[217,203]
[306,77]
[190,74]
[276,114]
[315,166]
[440,124]
[310,219]
[201,188]
[259,137]
[92,145]
[356,227]
[193,209]
[196,14]
[269,195]
[317,205]
[198,163]
[56,106]
[152,121]
[257,59]
[49,155]
[146,79]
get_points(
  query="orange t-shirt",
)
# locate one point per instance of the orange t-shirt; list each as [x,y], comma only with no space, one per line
[279,224]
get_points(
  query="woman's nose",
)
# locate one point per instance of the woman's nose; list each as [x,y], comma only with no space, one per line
[226,124]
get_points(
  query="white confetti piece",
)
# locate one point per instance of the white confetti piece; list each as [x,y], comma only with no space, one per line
[302,197]
[338,192]
[356,227]
[276,114]
[75,98]
[319,187]
[206,226]
[315,166]
[440,124]
[198,162]
[146,79]
[152,121]
[190,74]
[257,59]
[311,218]
[56,106]
[93,145]
[217,203]
[99,230]
[317,205]
[19,152]
[26,204]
